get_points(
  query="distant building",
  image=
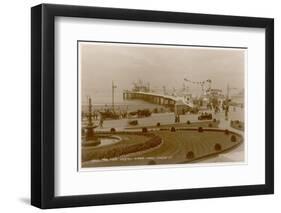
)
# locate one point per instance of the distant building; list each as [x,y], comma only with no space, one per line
[140,86]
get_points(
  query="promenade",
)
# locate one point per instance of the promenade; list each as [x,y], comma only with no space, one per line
[235,155]
[169,118]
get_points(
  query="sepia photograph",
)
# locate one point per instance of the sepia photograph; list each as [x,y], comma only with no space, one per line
[160,104]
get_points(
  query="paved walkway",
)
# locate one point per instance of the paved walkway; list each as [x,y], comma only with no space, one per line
[235,155]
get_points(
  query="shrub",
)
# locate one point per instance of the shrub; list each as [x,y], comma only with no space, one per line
[226,131]
[144,129]
[112,130]
[200,129]
[151,162]
[240,126]
[214,120]
[173,129]
[190,155]
[188,122]
[158,124]
[91,143]
[233,138]
[210,125]
[134,122]
[217,147]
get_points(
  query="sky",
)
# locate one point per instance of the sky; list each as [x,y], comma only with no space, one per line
[161,65]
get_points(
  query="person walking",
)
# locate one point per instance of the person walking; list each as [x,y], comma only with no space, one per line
[101,121]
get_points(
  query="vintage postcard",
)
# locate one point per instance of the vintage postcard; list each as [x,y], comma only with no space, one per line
[152,104]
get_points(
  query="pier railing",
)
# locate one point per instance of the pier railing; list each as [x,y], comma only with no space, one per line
[156,98]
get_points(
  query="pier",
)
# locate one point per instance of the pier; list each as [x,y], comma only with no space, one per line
[175,103]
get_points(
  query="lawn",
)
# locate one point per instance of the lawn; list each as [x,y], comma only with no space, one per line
[178,144]
[209,124]
[88,153]
[176,147]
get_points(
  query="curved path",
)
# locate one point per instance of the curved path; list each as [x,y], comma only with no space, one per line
[235,155]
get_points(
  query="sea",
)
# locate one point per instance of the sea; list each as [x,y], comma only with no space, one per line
[103,101]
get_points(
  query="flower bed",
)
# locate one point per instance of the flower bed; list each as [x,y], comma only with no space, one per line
[124,149]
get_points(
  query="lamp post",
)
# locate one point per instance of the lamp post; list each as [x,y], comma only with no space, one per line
[90,135]
[226,103]
[113,87]
[227,100]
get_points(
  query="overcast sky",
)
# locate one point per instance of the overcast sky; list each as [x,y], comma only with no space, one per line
[159,64]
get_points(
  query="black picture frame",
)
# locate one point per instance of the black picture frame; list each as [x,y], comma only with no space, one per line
[43,105]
